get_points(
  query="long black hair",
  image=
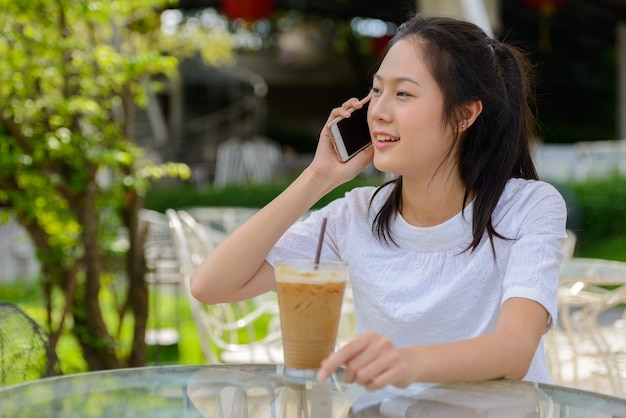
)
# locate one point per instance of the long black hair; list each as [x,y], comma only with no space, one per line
[468,65]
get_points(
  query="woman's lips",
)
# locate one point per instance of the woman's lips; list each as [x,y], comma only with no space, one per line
[383,140]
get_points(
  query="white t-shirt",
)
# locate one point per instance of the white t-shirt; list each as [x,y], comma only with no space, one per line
[427,290]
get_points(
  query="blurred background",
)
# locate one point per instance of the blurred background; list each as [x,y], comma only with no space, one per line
[313,55]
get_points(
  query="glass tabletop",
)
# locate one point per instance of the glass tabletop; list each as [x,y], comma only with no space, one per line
[263,391]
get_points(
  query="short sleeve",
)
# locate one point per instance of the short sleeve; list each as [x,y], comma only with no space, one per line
[534,259]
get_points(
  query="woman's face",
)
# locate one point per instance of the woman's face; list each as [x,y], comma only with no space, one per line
[406,115]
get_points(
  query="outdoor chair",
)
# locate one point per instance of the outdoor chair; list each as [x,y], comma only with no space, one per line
[164,280]
[587,349]
[612,369]
[250,160]
[26,352]
[220,219]
[569,244]
[241,332]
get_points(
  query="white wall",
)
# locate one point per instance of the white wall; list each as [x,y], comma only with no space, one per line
[484,13]
[17,254]
[580,161]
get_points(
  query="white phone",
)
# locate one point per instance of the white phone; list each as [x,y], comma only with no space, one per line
[352,134]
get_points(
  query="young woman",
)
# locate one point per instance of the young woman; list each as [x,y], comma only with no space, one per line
[454,265]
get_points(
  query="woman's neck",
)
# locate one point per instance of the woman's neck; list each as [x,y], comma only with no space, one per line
[433,202]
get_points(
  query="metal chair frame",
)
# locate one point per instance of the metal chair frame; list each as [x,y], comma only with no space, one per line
[229,331]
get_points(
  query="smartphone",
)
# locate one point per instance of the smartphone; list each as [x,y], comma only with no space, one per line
[352,134]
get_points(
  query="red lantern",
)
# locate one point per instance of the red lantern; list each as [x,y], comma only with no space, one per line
[546,8]
[379,44]
[249,10]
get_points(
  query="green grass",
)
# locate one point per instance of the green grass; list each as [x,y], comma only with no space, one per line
[168,308]
[173,312]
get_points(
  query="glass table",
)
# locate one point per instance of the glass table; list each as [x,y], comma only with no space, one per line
[262,391]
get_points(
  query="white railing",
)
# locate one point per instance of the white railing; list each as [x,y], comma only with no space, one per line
[240,120]
[580,161]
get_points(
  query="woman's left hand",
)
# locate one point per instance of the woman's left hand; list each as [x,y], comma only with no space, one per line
[370,360]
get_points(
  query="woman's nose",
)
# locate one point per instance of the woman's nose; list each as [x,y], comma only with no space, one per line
[379,109]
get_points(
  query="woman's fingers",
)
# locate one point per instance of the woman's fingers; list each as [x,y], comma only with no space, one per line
[342,356]
[344,110]
[370,360]
[355,356]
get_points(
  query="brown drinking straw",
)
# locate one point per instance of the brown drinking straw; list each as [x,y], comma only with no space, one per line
[319,243]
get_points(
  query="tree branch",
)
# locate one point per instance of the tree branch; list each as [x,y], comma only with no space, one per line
[16,133]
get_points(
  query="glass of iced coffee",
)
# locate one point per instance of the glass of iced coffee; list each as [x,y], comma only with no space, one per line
[309,301]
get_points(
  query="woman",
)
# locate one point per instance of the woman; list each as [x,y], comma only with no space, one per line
[454,264]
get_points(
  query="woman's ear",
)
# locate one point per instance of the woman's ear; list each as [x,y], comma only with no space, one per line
[469,113]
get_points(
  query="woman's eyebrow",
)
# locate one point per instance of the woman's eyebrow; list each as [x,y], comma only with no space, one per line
[397,80]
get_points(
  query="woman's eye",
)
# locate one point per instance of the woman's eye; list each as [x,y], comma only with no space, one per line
[403,94]
[375,90]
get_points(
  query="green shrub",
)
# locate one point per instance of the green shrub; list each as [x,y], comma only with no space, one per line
[596,207]
[574,212]
[249,195]
[603,208]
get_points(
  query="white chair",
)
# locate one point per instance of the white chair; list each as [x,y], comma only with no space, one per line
[164,278]
[588,348]
[159,252]
[250,160]
[223,219]
[574,345]
[611,370]
[242,332]
[553,340]
[569,245]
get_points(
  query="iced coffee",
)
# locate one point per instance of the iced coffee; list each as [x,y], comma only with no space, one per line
[309,301]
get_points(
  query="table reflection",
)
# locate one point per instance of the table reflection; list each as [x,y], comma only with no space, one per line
[248,391]
[230,392]
[470,401]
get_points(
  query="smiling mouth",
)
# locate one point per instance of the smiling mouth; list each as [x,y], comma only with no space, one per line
[386,138]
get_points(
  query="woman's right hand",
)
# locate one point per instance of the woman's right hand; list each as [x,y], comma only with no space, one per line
[326,162]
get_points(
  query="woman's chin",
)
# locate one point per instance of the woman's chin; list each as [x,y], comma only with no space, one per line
[384,168]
